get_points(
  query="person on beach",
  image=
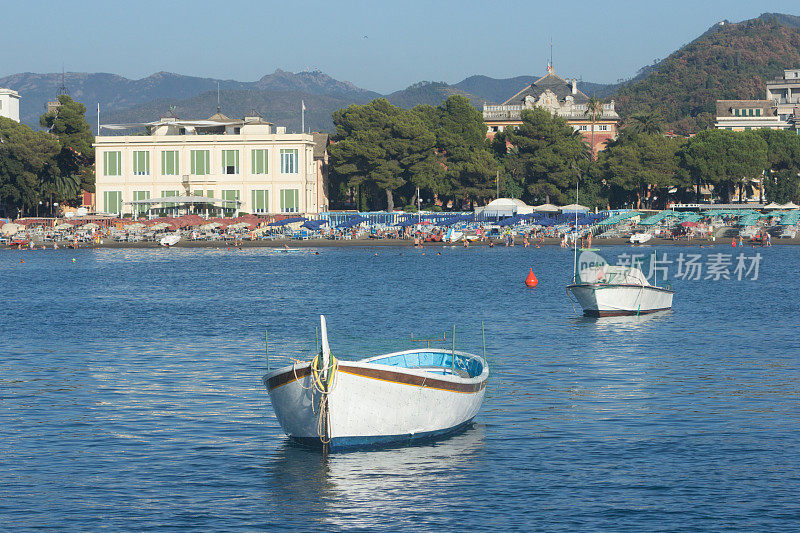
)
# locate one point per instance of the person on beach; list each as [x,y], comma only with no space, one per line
[491,243]
[525,241]
[466,242]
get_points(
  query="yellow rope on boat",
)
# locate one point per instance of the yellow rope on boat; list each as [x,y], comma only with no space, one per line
[324,387]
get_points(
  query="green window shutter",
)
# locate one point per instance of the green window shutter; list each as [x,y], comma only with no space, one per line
[260,201]
[289,203]
[230,161]
[200,160]
[141,163]
[111,163]
[169,163]
[259,162]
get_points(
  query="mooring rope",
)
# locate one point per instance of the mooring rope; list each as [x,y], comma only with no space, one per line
[324,388]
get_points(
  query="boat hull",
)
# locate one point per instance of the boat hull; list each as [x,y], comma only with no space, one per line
[374,404]
[618,300]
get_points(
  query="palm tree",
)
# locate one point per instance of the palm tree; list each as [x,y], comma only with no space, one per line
[594,109]
[63,187]
[648,122]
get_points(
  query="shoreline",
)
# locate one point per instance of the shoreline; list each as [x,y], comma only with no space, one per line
[327,243]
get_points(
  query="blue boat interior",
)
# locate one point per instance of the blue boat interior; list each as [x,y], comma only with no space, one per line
[434,362]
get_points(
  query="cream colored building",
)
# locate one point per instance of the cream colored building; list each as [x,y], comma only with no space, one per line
[236,165]
[9,104]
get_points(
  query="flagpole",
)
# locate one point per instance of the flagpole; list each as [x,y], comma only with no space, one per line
[302,116]
[98,118]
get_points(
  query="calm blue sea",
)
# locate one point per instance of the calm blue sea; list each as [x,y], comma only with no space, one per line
[130,394]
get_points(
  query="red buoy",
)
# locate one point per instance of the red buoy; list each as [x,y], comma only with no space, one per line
[733,242]
[531,280]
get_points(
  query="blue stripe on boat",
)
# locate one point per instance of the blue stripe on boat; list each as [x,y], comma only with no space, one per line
[375,441]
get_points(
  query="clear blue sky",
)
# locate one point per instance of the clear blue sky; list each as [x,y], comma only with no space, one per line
[379,45]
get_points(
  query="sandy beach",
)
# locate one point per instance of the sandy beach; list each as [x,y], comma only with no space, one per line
[328,243]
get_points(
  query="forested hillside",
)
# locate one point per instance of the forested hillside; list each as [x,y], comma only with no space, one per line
[732,62]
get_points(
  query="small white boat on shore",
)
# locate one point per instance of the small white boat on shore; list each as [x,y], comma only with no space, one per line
[640,238]
[170,239]
[389,399]
[613,290]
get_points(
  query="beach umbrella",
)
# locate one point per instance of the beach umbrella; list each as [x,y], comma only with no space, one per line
[89,225]
[286,221]
[11,228]
[689,224]
[572,208]
[62,226]
[790,205]
[159,226]
[210,225]
[547,208]
[239,225]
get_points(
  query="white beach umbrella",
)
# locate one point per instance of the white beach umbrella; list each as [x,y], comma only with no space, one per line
[571,208]
[62,226]
[790,205]
[11,228]
[159,226]
[89,225]
[210,225]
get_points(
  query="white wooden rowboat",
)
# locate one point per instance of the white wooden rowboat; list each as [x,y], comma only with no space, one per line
[389,399]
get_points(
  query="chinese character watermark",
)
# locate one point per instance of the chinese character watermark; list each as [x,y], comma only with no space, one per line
[695,267]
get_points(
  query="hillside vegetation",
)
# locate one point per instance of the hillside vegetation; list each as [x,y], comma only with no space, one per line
[733,61]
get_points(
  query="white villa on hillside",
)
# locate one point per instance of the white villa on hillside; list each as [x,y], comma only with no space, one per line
[779,111]
[214,166]
[9,104]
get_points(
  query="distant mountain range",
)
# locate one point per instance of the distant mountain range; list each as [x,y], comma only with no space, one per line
[730,60]
[276,96]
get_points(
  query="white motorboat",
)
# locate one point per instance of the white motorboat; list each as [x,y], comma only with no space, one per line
[613,290]
[389,399]
[170,239]
[640,238]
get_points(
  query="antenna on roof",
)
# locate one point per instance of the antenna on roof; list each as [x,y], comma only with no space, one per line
[62,89]
[551,52]
[218,108]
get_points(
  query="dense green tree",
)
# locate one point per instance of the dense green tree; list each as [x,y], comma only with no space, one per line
[468,166]
[724,159]
[648,122]
[545,154]
[381,146]
[781,181]
[782,186]
[640,168]
[28,160]
[68,123]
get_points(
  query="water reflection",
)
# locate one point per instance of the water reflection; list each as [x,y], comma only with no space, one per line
[352,489]
[629,323]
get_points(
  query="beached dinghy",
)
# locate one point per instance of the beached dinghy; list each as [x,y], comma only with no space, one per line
[389,399]
[170,239]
